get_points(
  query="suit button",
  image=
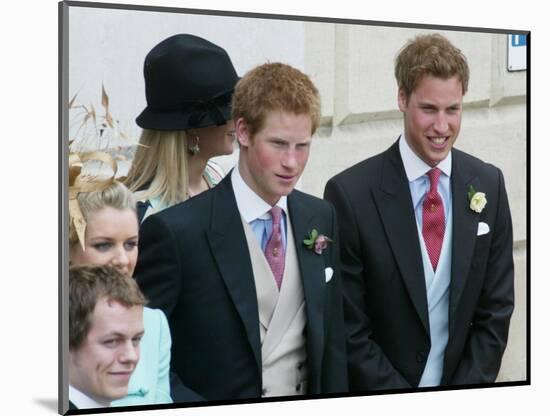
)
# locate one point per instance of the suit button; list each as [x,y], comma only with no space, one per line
[298,387]
[420,357]
[264,392]
[300,366]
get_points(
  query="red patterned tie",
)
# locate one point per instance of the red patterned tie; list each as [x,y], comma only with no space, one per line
[433,219]
[274,249]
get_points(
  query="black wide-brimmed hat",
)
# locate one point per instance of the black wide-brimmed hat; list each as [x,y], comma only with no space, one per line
[189,82]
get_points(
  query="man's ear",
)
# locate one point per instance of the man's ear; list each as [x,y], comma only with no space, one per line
[402,100]
[243,132]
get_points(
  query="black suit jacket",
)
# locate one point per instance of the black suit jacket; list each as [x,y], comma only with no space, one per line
[385,301]
[194,264]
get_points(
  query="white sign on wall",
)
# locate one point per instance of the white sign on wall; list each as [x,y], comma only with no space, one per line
[517,52]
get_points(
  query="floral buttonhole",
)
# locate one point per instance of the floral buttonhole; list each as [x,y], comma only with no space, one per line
[317,242]
[478,200]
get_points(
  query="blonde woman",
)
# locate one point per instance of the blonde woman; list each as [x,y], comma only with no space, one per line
[189,83]
[110,237]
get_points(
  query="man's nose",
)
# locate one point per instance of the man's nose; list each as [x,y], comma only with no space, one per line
[289,159]
[441,124]
[130,352]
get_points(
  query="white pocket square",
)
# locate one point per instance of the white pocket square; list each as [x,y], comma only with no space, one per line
[482,228]
[328,274]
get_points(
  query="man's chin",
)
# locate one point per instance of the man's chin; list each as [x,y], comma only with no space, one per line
[117,393]
[287,185]
[116,390]
[287,189]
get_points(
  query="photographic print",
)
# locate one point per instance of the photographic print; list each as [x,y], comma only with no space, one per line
[268,208]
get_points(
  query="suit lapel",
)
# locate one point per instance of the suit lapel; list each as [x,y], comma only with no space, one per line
[393,200]
[312,270]
[230,251]
[464,229]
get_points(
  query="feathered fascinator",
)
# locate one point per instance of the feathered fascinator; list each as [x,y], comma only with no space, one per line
[92,130]
[80,183]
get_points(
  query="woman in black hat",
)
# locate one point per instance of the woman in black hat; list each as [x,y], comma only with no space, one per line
[189,82]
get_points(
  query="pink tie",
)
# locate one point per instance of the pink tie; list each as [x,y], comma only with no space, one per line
[433,219]
[274,249]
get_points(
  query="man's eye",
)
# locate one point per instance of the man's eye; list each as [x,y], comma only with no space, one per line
[111,343]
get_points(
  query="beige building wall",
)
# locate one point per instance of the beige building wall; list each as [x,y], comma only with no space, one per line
[353,67]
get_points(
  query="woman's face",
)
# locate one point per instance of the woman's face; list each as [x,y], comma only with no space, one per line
[111,238]
[214,140]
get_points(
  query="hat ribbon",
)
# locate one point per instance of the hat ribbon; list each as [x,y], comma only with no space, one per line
[212,107]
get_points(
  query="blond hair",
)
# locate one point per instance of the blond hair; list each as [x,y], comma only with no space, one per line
[160,166]
[116,195]
[430,55]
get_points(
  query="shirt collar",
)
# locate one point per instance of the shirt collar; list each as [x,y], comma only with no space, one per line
[416,167]
[82,401]
[250,205]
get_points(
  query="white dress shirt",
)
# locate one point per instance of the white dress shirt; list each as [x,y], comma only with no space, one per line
[255,210]
[419,183]
[81,401]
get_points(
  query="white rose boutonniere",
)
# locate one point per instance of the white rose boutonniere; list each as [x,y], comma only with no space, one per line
[477,200]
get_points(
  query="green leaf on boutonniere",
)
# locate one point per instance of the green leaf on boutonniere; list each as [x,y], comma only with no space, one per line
[471,192]
[310,241]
